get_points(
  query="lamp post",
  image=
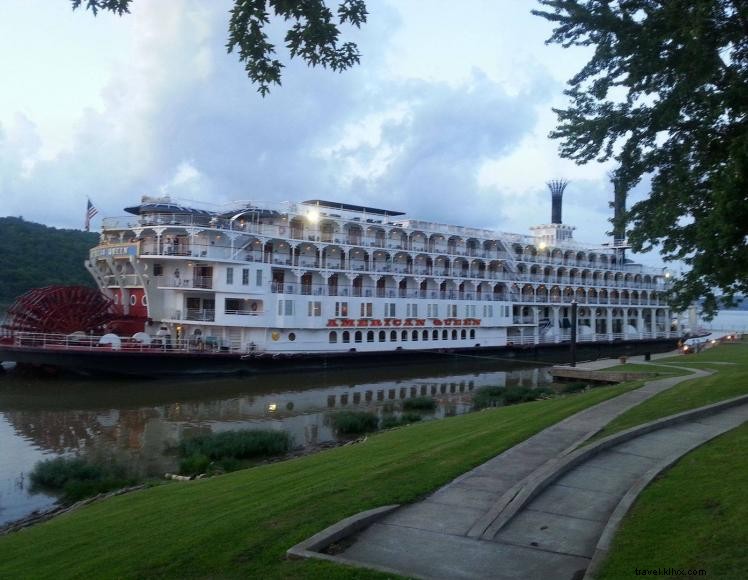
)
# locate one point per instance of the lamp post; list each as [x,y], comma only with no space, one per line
[573,347]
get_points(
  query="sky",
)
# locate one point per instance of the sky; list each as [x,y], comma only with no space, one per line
[446,118]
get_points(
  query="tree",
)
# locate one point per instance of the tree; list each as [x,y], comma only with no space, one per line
[665,95]
[314,35]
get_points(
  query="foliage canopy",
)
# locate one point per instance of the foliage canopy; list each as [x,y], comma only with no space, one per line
[314,34]
[665,94]
[33,255]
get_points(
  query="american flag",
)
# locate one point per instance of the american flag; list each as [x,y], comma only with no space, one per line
[90,212]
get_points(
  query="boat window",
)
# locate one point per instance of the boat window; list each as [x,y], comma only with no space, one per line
[346,336]
[333,337]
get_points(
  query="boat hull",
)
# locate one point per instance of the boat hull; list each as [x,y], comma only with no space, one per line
[171,363]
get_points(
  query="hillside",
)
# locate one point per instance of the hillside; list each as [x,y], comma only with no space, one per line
[33,255]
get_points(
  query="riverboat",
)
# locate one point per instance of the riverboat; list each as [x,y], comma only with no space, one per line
[301,283]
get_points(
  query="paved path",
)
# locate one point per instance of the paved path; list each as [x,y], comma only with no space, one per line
[459,531]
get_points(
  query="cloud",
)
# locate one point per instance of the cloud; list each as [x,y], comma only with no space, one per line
[436,148]
[179,116]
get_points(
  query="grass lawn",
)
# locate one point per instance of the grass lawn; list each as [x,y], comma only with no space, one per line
[240,524]
[728,380]
[694,517]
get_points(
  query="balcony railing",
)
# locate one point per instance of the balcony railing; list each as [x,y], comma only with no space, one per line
[198,282]
[200,314]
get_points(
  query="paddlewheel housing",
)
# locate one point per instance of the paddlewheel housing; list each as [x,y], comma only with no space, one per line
[62,310]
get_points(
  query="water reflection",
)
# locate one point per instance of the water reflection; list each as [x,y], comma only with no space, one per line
[139,423]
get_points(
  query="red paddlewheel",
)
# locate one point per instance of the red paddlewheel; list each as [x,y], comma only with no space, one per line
[61,310]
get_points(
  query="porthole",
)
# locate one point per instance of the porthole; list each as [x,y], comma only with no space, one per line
[144,300]
[291,336]
[133,300]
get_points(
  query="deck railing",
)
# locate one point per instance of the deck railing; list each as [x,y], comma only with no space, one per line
[92,342]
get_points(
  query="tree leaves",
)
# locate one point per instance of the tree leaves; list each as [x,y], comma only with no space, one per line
[665,94]
[314,34]
[119,7]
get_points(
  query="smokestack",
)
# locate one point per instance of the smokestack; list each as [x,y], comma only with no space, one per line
[619,212]
[557,187]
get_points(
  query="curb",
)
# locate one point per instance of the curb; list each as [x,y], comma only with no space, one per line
[479,529]
[310,548]
[602,549]
[546,475]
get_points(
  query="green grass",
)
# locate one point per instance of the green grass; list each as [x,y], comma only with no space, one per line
[729,380]
[693,517]
[239,525]
[650,369]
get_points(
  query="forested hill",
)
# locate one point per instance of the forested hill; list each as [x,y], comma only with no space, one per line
[33,255]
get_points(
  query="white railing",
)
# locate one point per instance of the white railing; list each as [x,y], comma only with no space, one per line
[126,344]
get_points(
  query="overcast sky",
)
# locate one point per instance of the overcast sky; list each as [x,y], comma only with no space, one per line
[446,118]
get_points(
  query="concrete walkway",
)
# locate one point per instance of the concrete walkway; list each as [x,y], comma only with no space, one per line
[469,528]
[555,535]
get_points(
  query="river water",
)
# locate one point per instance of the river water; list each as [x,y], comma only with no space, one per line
[727,321]
[140,422]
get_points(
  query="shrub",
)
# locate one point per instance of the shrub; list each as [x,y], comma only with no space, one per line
[77,478]
[515,395]
[194,464]
[573,387]
[354,422]
[497,396]
[243,444]
[390,421]
[419,404]
[488,397]
[410,418]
